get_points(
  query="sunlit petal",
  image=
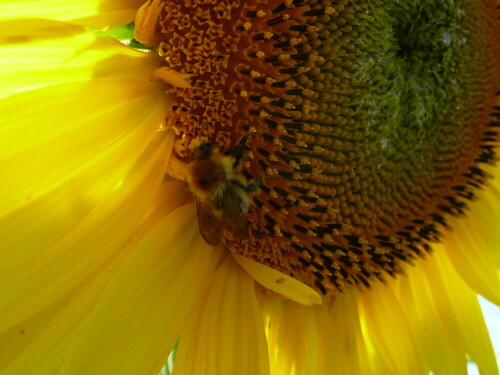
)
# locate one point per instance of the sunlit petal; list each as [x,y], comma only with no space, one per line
[280,283]
[169,267]
[474,245]
[387,333]
[226,335]
[42,341]
[349,349]
[61,208]
[36,148]
[36,53]
[314,340]
[459,312]
[435,346]
[96,13]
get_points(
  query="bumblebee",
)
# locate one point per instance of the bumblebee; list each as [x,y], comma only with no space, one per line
[221,194]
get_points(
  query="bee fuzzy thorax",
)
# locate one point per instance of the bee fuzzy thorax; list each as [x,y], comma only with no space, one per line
[206,177]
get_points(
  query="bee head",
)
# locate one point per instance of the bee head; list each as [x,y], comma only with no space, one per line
[201,149]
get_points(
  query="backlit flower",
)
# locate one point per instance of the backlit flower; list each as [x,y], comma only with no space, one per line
[371,132]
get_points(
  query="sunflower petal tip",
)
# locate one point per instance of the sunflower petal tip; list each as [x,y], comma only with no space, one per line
[279,282]
[145,21]
[170,76]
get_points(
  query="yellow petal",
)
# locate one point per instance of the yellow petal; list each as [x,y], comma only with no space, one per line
[107,19]
[172,77]
[40,343]
[279,282]
[436,348]
[146,21]
[67,128]
[313,340]
[348,347]
[148,299]
[226,336]
[459,312]
[95,13]
[36,53]
[387,333]
[74,212]
[474,245]
[53,271]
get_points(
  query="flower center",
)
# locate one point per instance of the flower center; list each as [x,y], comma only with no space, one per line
[370,122]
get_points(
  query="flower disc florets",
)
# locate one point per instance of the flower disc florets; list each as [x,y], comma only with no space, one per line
[370,123]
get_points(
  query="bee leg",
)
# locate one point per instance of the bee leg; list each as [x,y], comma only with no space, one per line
[249,187]
[254,185]
[238,183]
[238,151]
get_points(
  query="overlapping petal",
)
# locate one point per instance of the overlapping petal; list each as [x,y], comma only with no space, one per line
[60,209]
[95,13]
[41,342]
[60,239]
[67,278]
[38,149]
[474,244]
[314,340]
[35,53]
[387,334]
[458,310]
[435,346]
[225,336]
[137,326]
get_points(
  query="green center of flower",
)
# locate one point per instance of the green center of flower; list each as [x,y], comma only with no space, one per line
[371,122]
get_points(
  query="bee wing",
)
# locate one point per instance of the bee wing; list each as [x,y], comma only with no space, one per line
[210,227]
[238,227]
[233,212]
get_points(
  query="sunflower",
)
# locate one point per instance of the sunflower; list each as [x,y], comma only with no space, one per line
[361,138]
